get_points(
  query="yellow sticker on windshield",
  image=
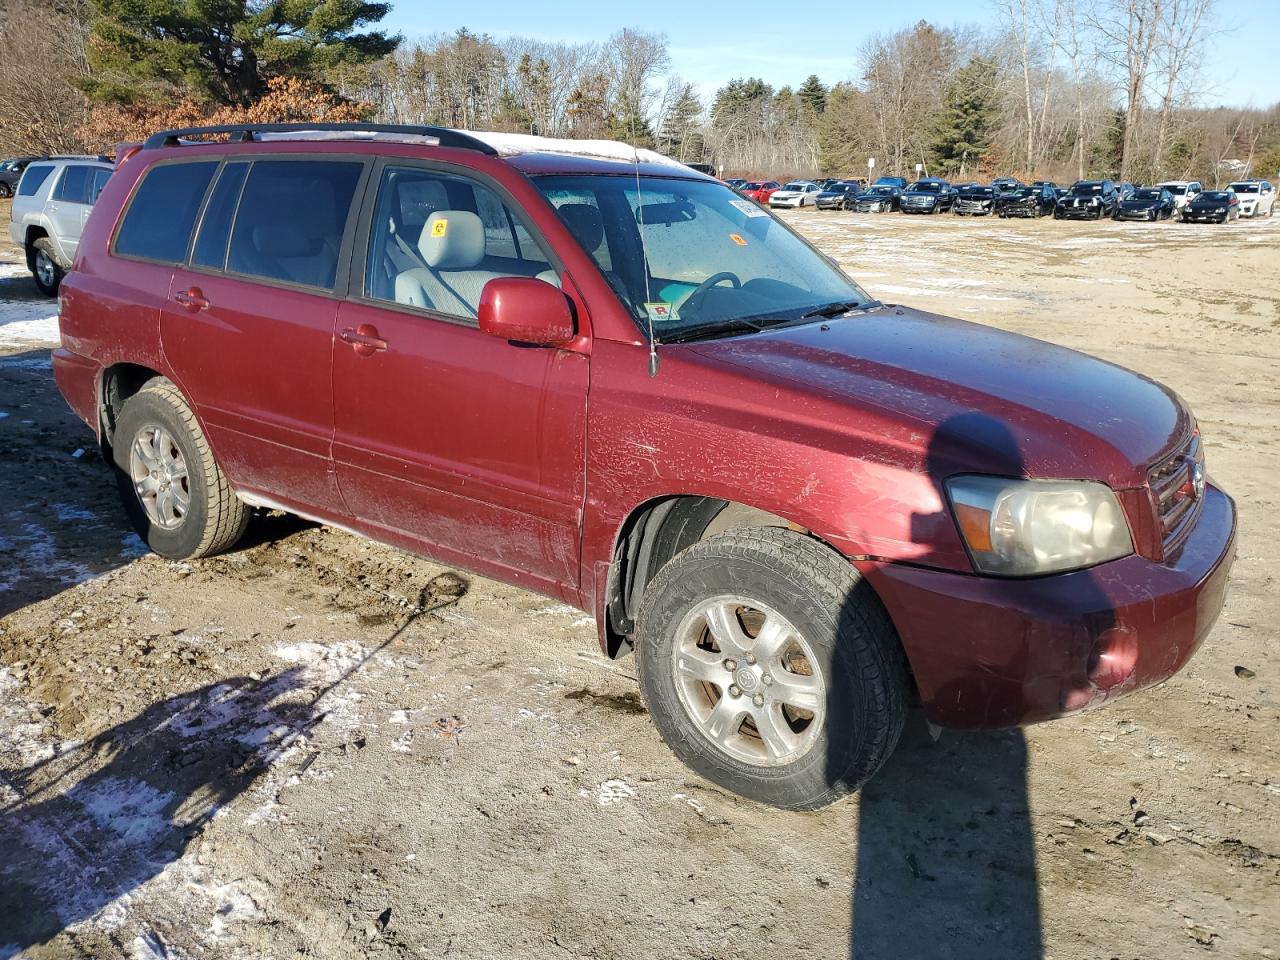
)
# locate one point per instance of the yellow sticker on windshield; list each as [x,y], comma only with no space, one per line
[439,227]
[738,239]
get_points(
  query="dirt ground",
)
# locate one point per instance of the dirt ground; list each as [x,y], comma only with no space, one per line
[319,747]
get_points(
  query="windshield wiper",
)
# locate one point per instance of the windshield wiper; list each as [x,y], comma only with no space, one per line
[705,331]
[838,309]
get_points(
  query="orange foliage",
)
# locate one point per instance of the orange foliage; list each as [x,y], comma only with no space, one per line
[287,100]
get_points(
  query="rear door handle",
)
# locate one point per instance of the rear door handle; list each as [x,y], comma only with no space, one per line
[364,339]
[192,299]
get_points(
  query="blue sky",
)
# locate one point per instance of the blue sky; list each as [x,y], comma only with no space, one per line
[712,43]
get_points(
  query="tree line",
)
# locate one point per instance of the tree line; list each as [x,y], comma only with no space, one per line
[1063,89]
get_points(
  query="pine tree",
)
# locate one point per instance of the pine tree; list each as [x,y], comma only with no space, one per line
[970,112]
[224,51]
[813,93]
[679,137]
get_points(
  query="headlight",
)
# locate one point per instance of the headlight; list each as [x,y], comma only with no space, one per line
[1023,528]
[1220,210]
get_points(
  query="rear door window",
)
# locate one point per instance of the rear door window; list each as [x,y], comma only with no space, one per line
[33,179]
[73,187]
[162,213]
[291,219]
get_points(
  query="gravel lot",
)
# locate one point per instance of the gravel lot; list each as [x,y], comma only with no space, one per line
[320,747]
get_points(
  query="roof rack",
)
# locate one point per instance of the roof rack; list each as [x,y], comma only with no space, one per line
[76,156]
[248,132]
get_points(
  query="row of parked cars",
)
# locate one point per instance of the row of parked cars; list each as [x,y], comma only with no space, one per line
[1008,197]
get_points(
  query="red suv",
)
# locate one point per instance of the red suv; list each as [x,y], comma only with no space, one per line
[613,380]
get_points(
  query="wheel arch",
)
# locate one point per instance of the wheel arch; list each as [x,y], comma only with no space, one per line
[651,535]
[119,382]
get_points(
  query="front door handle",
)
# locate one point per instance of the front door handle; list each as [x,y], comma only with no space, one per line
[364,339]
[192,299]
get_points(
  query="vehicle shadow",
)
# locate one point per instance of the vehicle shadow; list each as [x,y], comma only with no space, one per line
[945,858]
[85,827]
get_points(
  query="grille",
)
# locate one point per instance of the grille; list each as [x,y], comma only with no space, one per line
[1173,490]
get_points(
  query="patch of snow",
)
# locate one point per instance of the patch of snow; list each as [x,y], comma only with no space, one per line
[37,554]
[26,363]
[610,792]
[132,546]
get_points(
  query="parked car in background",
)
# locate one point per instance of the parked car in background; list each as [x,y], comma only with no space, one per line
[11,173]
[899,182]
[1257,197]
[735,183]
[881,198]
[974,201]
[1184,191]
[838,195]
[264,323]
[797,193]
[1147,203]
[1047,183]
[1212,206]
[1005,186]
[1124,190]
[50,208]
[1030,201]
[760,190]
[927,196]
[1087,200]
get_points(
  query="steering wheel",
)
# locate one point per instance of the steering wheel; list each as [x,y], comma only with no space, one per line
[694,300]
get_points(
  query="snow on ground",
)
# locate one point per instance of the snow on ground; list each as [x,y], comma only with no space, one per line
[24,322]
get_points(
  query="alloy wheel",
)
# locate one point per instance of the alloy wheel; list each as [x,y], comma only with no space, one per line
[749,681]
[46,269]
[159,473]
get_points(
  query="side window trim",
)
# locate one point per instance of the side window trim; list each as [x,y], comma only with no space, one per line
[358,266]
[204,209]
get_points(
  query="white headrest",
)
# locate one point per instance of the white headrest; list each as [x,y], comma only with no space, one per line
[452,240]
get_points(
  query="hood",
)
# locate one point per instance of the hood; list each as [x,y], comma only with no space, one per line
[1139,204]
[903,374]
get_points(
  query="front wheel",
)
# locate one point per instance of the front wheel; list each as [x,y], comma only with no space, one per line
[6,191]
[770,667]
[174,493]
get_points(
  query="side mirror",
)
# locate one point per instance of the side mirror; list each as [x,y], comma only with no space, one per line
[525,310]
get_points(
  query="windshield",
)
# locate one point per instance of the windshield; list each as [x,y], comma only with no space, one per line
[1215,196]
[1245,187]
[882,191]
[923,187]
[752,186]
[796,185]
[978,192]
[1147,195]
[713,259]
[1177,191]
[1026,191]
[1085,189]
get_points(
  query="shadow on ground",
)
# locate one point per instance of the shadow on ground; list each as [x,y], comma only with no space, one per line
[86,827]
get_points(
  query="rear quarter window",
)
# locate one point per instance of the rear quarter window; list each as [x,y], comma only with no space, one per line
[33,179]
[158,223]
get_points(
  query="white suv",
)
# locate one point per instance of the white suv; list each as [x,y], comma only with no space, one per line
[1184,191]
[51,205]
[1257,197]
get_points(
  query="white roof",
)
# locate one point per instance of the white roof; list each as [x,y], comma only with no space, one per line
[513,144]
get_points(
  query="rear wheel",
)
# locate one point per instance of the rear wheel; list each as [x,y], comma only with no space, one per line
[770,668]
[44,267]
[175,494]
[5,191]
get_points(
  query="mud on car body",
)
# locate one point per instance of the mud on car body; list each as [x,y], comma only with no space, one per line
[799,507]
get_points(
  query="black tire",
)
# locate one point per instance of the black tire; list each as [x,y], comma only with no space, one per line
[45,270]
[6,191]
[854,644]
[215,518]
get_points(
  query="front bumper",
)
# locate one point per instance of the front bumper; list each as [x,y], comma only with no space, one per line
[1203,216]
[1144,213]
[1081,213]
[785,201]
[908,206]
[972,209]
[988,652]
[1018,210]
[873,207]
